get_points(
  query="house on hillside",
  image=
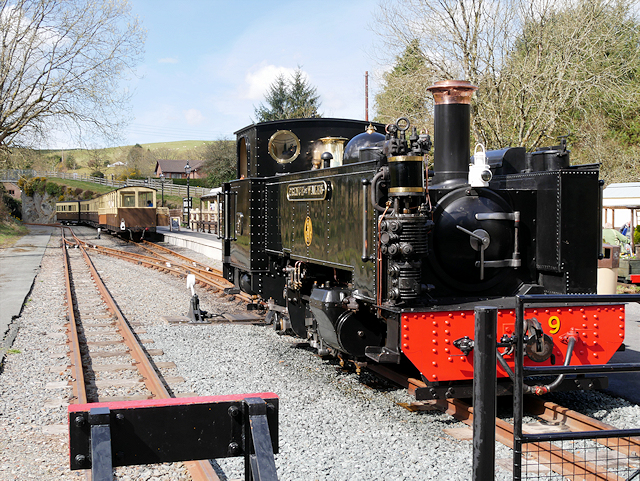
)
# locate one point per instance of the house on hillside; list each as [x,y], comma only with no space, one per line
[13,190]
[174,169]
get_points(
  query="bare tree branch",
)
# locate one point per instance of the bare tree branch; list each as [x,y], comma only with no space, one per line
[61,64]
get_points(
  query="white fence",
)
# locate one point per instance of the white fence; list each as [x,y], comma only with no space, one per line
[169,187]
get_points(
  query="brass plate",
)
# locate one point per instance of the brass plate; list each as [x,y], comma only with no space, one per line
[308,191]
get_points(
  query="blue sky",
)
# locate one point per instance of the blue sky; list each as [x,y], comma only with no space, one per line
[208,63]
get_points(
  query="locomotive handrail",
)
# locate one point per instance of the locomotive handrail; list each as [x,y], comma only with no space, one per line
[219,213]
[235,210]
[365,255]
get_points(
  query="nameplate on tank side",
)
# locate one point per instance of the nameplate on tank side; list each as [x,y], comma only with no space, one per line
[308,191]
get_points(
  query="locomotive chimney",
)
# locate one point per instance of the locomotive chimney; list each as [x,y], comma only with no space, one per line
[452,114]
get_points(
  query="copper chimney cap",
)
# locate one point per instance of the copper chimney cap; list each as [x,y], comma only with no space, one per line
[452,92]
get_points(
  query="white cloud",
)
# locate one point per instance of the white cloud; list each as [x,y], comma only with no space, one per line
[193,116]
[168,60]
[260,77]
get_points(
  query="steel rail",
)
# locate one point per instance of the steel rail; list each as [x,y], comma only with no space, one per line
[79,386]
[207,271]
[543,452]
[575,421]
[199,470]
[561,461]
[212,277]
[150,246]
[155,263]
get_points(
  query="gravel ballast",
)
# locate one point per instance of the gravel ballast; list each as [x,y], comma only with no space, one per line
[332,425]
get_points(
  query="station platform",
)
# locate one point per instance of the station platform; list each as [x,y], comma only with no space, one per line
[206,244]
[19,265]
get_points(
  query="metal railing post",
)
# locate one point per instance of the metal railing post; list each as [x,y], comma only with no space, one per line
[484,393]
[518,391]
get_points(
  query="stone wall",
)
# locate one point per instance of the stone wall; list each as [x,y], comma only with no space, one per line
[39,209]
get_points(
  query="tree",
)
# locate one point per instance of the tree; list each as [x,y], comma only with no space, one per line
[540,66]
[61,63]
[139,162]
[403,92]
[219,162]
[289,99]
[568,65]
[70,162]
[95,159]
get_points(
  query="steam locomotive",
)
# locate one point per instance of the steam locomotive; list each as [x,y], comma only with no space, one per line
[358,248]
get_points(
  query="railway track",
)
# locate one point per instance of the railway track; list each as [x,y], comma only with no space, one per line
[615,459]
[108,361]
[164,259]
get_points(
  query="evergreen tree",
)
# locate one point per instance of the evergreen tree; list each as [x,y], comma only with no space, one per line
[289,99]
[403,92]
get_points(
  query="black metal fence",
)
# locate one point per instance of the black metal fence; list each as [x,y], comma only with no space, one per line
[592,455]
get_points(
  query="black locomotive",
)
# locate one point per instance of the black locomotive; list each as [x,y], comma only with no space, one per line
[355,246]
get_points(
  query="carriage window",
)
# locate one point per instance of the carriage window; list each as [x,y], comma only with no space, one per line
[145,199]
[128,200]
[284,146]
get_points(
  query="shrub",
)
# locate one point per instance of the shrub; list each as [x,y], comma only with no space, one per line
[53,189]
[97,173]
[88,194]
[9,205]
[61,198]
[78,191]
[27,187]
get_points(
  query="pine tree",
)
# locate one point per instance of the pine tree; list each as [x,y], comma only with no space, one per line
[403,92]
[289,99]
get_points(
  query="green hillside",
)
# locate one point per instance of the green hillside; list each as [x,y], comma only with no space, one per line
[86,161]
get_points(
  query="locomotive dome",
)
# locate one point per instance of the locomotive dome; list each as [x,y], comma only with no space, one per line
[368,138]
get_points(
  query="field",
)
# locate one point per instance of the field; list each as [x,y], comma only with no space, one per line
[112,155]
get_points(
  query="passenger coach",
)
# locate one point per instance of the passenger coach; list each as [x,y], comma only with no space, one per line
[129,210]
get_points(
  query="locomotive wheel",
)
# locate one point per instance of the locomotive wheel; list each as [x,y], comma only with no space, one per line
[269,318]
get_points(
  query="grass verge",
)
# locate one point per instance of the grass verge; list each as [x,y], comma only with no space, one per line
[10,232]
